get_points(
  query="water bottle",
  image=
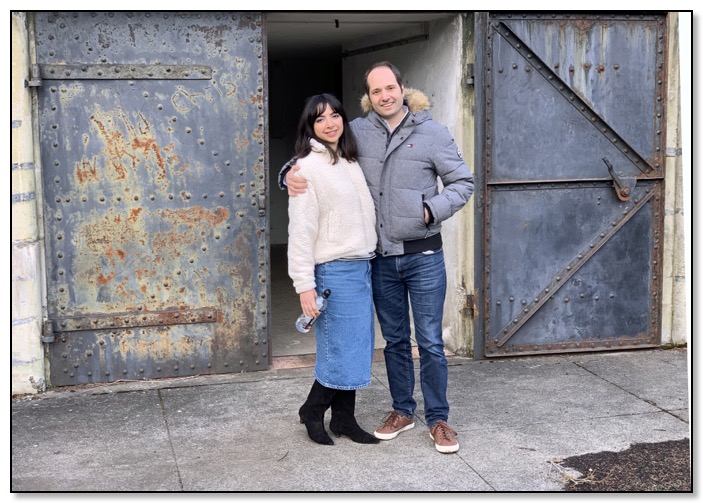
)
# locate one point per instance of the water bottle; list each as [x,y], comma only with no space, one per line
[304,323]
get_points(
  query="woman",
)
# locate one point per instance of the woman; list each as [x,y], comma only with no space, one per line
[331,239]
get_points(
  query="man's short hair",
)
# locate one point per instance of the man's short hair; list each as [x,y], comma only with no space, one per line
[387,64]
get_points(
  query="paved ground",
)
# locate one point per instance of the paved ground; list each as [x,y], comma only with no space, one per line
[240,432]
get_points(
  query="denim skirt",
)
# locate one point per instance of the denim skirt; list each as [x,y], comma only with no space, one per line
[345,331]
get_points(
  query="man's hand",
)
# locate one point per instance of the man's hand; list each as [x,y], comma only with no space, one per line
[296,184]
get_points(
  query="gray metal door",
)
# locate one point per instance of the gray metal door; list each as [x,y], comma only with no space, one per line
[152,145]
[571,136]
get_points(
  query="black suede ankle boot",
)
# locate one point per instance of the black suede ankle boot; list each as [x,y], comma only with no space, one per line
[343,421]
[312,413]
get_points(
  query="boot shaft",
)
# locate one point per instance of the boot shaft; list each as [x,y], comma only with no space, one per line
[319,400]
[344,403]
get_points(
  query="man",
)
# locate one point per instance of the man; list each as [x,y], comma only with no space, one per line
[402,152]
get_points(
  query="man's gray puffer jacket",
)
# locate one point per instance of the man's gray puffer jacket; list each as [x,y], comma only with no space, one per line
[401,170]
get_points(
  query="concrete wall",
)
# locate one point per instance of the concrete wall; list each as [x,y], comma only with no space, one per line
[674,302]
[436,67]
[27,271]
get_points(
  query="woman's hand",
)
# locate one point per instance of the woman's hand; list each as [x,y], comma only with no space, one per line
[308,303]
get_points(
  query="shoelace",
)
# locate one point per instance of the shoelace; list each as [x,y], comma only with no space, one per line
[391,419]
[442,430]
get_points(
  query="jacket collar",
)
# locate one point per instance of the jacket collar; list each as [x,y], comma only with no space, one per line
[317,146]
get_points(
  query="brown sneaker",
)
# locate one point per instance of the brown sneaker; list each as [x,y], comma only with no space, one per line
[393,424]
[443,436]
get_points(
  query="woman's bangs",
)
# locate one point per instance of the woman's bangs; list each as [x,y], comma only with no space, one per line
[321,106]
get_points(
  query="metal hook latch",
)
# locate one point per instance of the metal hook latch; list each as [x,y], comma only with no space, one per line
[623,185]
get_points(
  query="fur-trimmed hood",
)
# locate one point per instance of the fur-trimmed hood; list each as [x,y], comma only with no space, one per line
[415,99]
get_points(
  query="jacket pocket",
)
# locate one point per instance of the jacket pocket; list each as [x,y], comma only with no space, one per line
[408,212]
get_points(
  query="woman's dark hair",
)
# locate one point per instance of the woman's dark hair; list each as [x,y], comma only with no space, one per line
[314,107]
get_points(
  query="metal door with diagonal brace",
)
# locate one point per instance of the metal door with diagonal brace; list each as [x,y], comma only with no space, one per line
[152,143]
[571,135]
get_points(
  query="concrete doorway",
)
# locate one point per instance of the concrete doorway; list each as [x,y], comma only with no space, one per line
[306,55]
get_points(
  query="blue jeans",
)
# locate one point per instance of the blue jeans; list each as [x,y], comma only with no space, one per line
[420,281]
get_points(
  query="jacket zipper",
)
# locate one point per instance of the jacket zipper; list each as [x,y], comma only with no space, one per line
[427,225]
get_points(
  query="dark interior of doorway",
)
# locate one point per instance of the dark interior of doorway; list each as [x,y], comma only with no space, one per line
[291,81]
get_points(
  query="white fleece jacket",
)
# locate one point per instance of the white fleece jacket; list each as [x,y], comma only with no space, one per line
[334,219]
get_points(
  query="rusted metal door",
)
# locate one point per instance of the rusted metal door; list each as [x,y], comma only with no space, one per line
[152,145]
[571,133]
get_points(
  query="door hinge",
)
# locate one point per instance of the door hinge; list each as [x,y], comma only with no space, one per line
[34,77]
[122,321]
[470,74]
[109,71]
[47,335]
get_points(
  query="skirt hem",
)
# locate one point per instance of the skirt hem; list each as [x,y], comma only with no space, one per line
[341,387]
